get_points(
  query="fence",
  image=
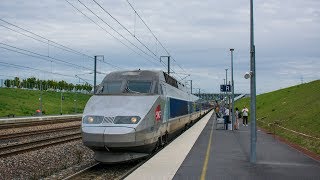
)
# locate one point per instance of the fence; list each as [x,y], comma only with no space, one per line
[275,124]
[304,140]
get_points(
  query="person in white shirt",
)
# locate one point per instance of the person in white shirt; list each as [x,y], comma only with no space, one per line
[245,112]
[226,117]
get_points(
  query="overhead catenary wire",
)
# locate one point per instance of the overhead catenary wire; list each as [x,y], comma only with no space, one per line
[43,57]
[45,42]
[133,35]
[31,68]
[152,33]
[148,28]
[77,9]
[42,39]
[116,31]
[86,7]
[7,75]
[48,41]
[40,56]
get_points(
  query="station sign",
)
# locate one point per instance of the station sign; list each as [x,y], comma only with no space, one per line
[225,88]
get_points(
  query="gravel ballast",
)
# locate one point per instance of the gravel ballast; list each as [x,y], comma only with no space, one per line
[46,162]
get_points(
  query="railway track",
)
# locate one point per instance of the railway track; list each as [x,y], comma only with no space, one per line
[112,171]
[36,123]
[38,132]
[37,144]
[106,171]
[115,171]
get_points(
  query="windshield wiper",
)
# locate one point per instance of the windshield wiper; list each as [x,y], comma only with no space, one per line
[128,90]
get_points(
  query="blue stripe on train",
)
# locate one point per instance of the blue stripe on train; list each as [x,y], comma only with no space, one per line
[180,107]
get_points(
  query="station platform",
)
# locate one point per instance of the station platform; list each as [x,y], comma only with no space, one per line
[203,152]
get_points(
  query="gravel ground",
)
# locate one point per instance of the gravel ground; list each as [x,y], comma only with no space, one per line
[40,127]
[45,162]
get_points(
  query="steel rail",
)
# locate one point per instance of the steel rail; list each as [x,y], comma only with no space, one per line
[36,123]
[81,171]
[38,144]
[38,132]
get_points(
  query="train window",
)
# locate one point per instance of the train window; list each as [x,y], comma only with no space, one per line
[139,86]
[155,88]
[113,87]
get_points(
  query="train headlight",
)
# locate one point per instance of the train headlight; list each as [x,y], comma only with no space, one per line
[93,119]
[90,119]
[133,120]
[126,119]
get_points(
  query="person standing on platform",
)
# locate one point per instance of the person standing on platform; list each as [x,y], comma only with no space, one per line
[237,119]
[217,110]
[245,112]
[226,117]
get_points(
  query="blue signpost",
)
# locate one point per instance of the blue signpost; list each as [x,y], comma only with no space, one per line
[225,88]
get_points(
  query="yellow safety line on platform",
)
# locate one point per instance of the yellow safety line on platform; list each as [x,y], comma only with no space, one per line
[204,169]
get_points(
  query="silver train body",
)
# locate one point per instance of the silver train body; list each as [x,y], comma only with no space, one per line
[133,112]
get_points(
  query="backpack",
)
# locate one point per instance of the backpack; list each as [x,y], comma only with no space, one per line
[239,115]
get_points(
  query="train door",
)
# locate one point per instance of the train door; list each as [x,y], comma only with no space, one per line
[166,106]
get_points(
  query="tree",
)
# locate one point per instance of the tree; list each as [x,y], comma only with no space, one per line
[31,82]
[7,82]
[87,87]
[17,82]
[70,87]
[63,85]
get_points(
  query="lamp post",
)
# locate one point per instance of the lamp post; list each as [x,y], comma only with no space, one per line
[253,136]
[226,85]
[226,76]
[232,89]
[221,92]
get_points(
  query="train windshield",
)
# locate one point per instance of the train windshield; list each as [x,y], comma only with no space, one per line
[112,87]
[138,87]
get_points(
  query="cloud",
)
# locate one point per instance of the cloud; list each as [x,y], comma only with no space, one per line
[198,34]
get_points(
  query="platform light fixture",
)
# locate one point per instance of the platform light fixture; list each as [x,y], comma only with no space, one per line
[232,90]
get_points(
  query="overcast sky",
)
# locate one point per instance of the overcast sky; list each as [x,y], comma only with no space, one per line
[197,34]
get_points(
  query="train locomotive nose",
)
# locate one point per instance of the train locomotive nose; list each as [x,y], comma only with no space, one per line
[114,136]
[115,131]
[104,133]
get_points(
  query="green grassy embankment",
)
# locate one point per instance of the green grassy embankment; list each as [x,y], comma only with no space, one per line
[296,108]
[21,102]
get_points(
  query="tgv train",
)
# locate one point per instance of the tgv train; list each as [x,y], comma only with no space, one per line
[134,112]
